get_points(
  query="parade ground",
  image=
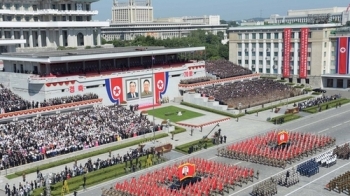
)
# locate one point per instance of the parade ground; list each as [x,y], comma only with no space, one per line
[333,122]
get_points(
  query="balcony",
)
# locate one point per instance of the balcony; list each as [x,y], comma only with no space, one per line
[49,12]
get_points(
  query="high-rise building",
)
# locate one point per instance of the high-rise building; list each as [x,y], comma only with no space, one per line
[39,24]
[140,11]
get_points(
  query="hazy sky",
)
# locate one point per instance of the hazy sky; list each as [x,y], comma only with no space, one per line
[227,9]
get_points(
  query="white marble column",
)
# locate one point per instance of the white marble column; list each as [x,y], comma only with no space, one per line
[280,57]
[48,44]
[60,37]
[2,33]
[295,58]
[39,38]
[12,34]
[99,37]
[249,55]
[30,38]
[21,37]
[243,54]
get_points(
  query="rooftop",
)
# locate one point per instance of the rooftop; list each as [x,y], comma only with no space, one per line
[283,26]
[93,54]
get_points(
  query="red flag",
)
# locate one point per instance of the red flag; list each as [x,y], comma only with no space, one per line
[186,170]
[71,89]
[282,137]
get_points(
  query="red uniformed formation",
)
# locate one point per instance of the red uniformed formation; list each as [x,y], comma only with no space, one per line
[300,143]
[219,176]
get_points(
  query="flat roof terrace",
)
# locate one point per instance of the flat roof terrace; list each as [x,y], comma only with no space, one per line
[93,54]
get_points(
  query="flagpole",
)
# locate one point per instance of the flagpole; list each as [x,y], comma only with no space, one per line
[154,138]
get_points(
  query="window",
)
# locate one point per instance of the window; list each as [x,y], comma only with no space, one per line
[253,53]
[260,70]
[276,35]
[253,45]
[87,7]
[275,45]
[324,63]
[325,44]
[310,34]
[275,54]
[239,62]
[17,6]
[324,54]
[253,35]
[239,53]
[27,18]
[268,45]
[332,62]
[9,18]
[246,36]
[239,45]
[246,61]
[239,36]
[260,53]
[260,62]
[268,35]
[246,45]
[18,18]
[268,62]
[246,53]
[261,36]
[8,6]
[253,62]
[330,83]
[267,70]
[309,54]
[0,6]
[261,45]
[292,34]
[26,6]
[332,53]
[325,34]
[309,44]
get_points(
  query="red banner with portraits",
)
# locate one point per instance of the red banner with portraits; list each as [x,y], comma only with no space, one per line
[304,32]
[286,57]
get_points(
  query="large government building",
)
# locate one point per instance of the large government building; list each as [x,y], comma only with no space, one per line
[135,18]
[48,24]
[300,52]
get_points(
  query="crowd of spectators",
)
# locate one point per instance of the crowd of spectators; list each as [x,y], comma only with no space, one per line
[317,101]
[11,102]
[225,69]
[68,99]
[44,137]
[195,80]
[245,94]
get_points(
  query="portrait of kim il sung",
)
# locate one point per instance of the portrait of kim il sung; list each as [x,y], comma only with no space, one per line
[146,87]
[131,87]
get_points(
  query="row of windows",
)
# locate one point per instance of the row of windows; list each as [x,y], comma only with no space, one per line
[260,62]
[268,45]
[18,6]
[268,54]
[36,19]
[248,36]
[275,71]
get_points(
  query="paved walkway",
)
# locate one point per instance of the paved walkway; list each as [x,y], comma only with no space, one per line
[229,128]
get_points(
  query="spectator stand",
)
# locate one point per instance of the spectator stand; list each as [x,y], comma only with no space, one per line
[64,107]
[93,127]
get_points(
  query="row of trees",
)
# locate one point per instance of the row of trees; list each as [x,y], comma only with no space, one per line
[214,49]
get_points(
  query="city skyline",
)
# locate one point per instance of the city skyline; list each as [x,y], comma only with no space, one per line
[227,9]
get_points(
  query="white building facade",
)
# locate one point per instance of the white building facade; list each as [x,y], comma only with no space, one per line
[263,49]
[49,24]
[132,11]
[335,14]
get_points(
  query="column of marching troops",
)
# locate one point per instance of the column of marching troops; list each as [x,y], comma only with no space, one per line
[219,178]
[264,150]
[341,183]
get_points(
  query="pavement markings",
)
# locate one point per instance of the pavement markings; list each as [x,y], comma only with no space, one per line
[245,188]
[319,120]
[317,179]
[237,163]
[337,125]
[323,130]
[347,121]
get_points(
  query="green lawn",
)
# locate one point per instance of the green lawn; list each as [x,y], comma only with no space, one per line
[170,113]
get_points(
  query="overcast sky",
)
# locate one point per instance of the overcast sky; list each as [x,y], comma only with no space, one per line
[227,9]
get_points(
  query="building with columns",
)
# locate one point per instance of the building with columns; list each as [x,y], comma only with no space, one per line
[132,11]
[48,24]
[135,18]
[299,53]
